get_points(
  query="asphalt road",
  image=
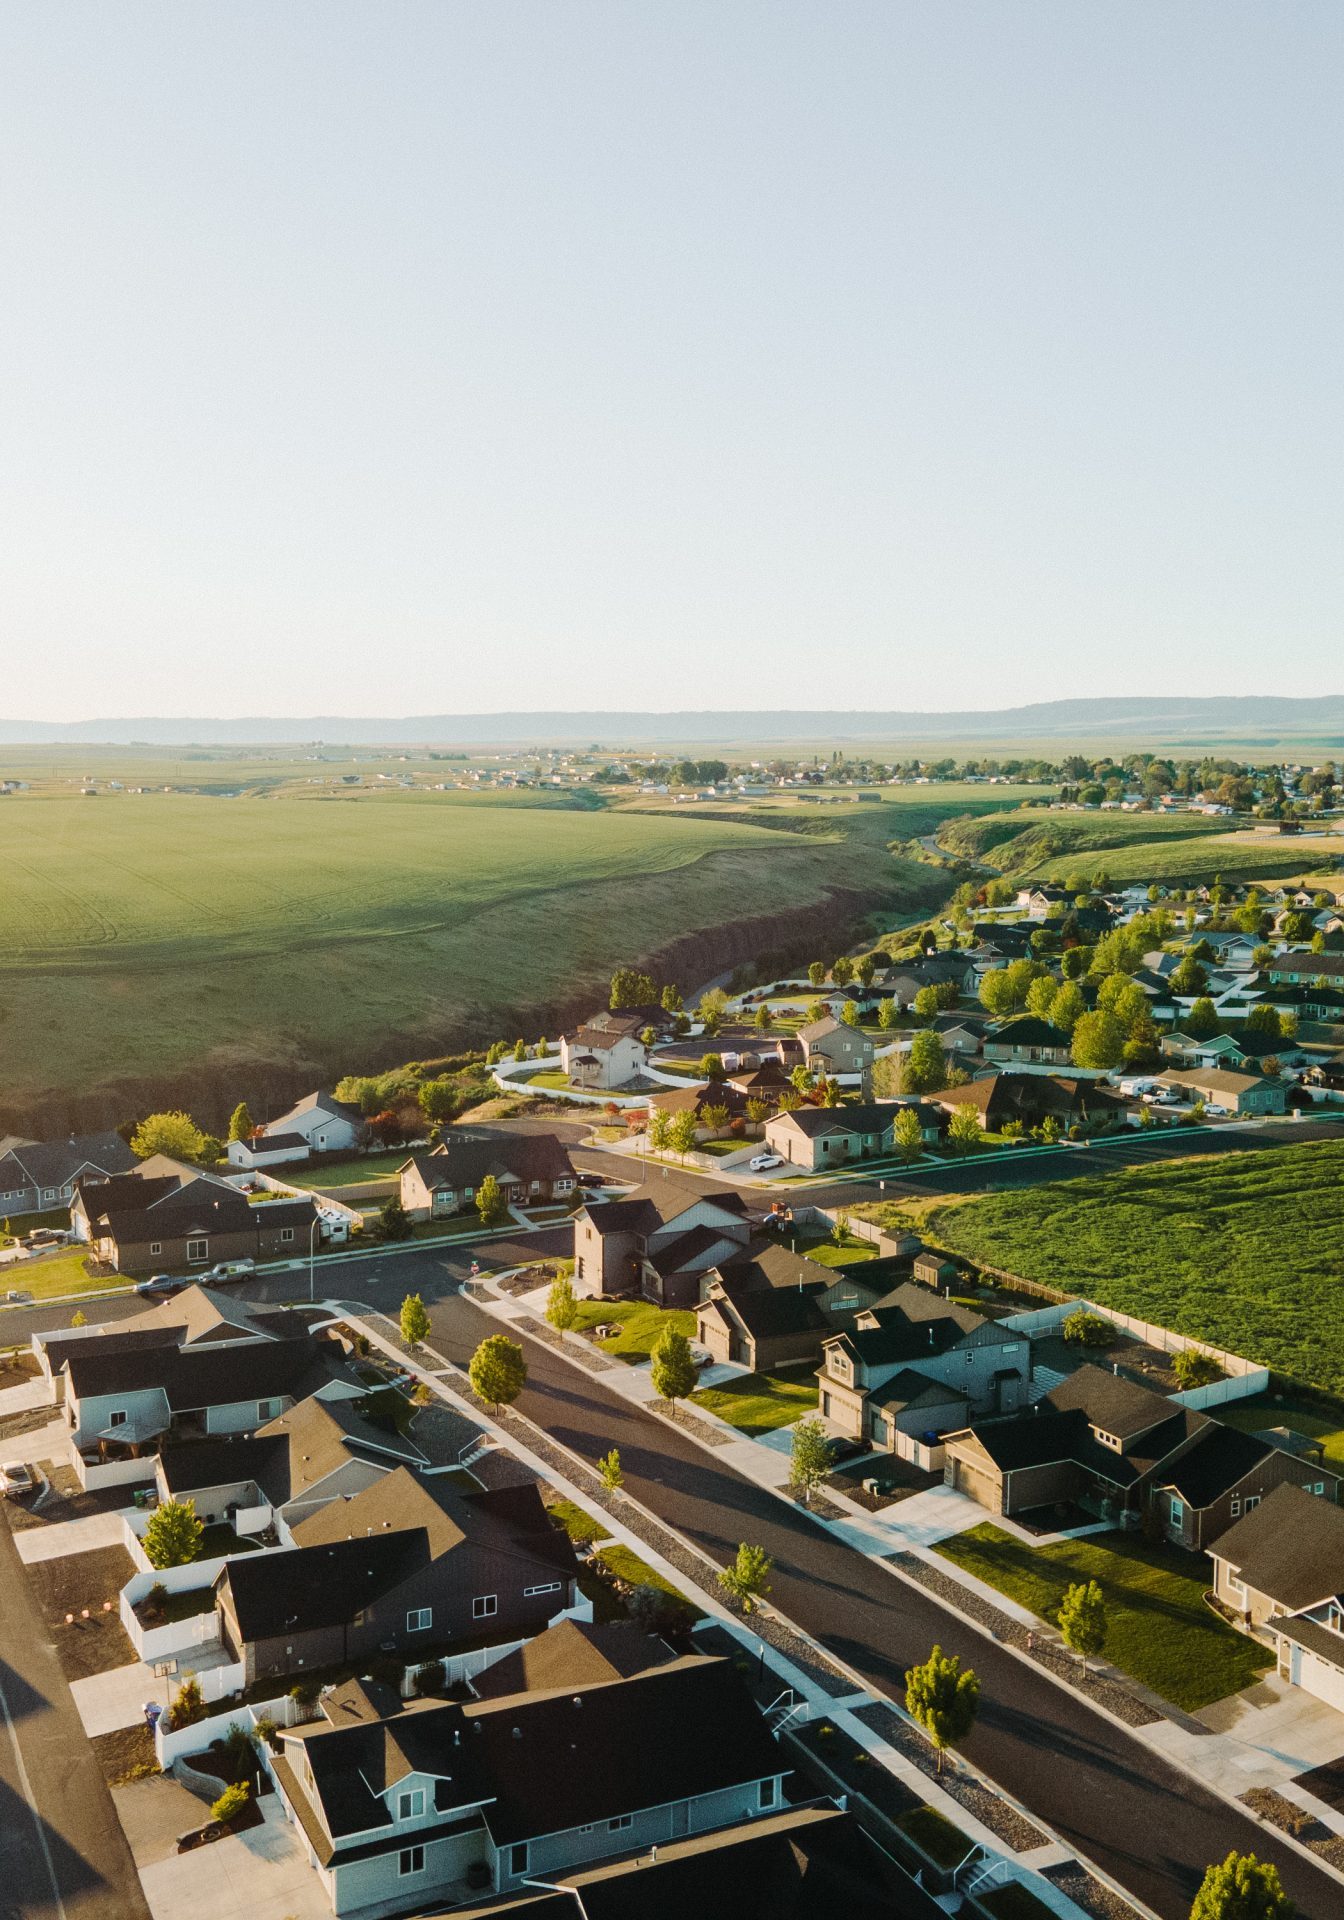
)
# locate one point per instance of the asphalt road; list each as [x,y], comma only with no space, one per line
[63,1855]
[1144,1822]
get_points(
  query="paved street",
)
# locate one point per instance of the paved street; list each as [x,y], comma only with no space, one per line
[1143,1821]
[63,1855]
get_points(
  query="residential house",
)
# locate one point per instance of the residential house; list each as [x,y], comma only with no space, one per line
[532,1169]
[1239,1093]
[818,1137]
[199,1316]
[505,1793]
[833,1048]
[1280,1568]
[660,1241]
[1038,902]
[1224,1475]
[713,1094]
[38,1176]
[876,1380]
[1032,1098]
[777,1308]
[765,1082]
[1027,1038]
[606,1051]
[1293,969]
[148,1221]
[960,1033]
[326,1124]
[263,1150]
[123,1404]
[409,1565]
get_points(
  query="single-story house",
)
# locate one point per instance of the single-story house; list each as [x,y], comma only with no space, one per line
[1031,1098]
[1239,1093]
[532,1169]
[38,1176]
[406,1807]
[262,1150]
[1224,1475]
[1293,969]
[818,1137]
[199,1316]
[409,1564]
[151,1221]
[1026,1037]
[328,1125]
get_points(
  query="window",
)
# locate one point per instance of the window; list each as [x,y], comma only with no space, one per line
[1317,1486]
[620,1823]
[268,1409]
[155,1249]
[411,1805]
[1177,1512]
[411,1860]
[769,1792]
[117,1417]
[286,1233]
[518,1857]
[1252,1502]
[1237,1588]
[840,1366]
[419,1619]
[1234,1508]
[484,1605]
[198,1249]
[530,1593]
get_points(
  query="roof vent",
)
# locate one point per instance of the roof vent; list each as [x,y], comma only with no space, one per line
[578,1699]
[517,1733]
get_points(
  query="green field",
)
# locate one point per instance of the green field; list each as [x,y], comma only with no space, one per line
[1172,849]
[1160,1631]
[202,946]
[1020,840]
[1243,1250]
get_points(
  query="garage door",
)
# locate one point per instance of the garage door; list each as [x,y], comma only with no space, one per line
[1317,1676]
[977,1486]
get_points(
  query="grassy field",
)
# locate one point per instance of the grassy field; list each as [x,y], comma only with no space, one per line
[201,946]
[1244,1250]
[1197,862]
[1160,1631]
[1022,839]
[1314,1418]
[760,1402]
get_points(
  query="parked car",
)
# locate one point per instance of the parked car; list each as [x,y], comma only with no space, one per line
[226,1270]
[15,1478]
[764,1161]
[161,1285]
[1215,1112]
[16,1297]
[45,1237]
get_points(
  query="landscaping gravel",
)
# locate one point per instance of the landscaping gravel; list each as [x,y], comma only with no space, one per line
[1097,1687]
[1088,1893]
[1278,1811]
[1005,1822]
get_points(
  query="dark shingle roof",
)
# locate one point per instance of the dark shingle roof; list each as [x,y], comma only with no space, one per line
[574,1654]
[504,1520]
[311,1587]
[465,1159]
[208,1375]
[1291,1547]
[56,1163]
[1115,1405]
[190,1465]
[1218,1460]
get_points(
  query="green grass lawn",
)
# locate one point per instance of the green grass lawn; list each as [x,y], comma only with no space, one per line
[627,1565]
[1303,1416]
[1243,1250]
[760,1402]
[52,1275]
[641,1324]
[580,1526]
[828,1252]
[935,1833]
[1161,1632]
[322,1175]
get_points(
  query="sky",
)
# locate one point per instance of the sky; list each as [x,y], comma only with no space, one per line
[422,357]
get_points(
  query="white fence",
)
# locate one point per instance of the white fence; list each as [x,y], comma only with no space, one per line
[1244,1377]
[172,1642]
[114,1473]
[197,1737]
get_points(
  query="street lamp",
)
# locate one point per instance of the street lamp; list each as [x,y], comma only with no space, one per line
[312,1282]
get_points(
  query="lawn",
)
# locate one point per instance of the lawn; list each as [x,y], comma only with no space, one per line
[760,1402]
[323,1175]
[627,1566]
[52,1275]
[303,929]
[641,1323]
[1243,1250]
[1314,1418]
[580,1526]
[1161,1632]
[827,1251]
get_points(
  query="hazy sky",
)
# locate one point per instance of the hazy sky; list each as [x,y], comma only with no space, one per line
[408,357]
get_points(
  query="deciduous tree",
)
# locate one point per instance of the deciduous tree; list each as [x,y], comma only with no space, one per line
[175,1134]
[562,1306]
[747,1577]
[241,1126]
[906,1134]
[414,1320]
[943,1699]
[498,1371]
[811,1459]
[674,1372]
[173,1536]
[1242,1888]
[490,1202]
[1082,1619]
[925,1069]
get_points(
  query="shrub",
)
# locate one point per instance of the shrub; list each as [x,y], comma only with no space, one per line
[231,1802]
[304,1692]
[1195,1369]
[268,1731]
[1084,1329]
[188,1704]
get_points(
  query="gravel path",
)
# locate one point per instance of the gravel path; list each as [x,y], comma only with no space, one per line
[1106,1693]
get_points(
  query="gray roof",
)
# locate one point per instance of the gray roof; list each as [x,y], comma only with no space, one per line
[1290,1547]
[58,1163]
[1110,1402]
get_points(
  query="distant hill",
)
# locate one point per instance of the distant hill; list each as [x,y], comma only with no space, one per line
[1201,720]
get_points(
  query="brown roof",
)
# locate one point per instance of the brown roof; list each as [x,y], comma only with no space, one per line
[574,1654]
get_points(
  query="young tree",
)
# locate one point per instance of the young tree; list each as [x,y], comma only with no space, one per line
[1242,1888]
[188,1704]
[889,1014]
[1082,1619]
[394,1223]
[671,1001]
[713,1005]
[490,1202]
[659,1130]
[241,1125]
[79,1318]
[925,1003]
[816,973]
[849,1014]
[842,971]
[906,1134]
[437,1100]
[811,1460]
[498,1371]
[966,1130]
[830,1093]
[712,1067]
[173,1536]
[1098,1041]
[681,1133]
[747,1578]
[630,988]
[942,1699]
[803,1080]
[865,970]
[611,1472]
[562,1307]
[175,1134]
[925,1069]
[715,1116]
[762,1021]
[674,1372]
[414,1320]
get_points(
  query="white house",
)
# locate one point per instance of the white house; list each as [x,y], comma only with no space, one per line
[327,1124]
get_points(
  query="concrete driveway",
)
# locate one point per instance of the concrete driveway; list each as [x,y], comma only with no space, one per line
[49,1442]
[106,1701]
[69,1536]
[262,1874]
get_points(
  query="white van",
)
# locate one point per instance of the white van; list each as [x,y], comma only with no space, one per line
[229,1270]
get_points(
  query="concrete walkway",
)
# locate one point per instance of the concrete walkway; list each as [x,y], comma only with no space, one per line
[106,1701]
[21,1399]
[262,1874]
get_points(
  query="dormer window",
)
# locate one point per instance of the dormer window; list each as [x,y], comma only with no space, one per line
[841,1366]
[411,1806]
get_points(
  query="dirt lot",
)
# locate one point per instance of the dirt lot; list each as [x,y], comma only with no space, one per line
[128,1754]
[72,1583]
[17,1365]
[71,1502]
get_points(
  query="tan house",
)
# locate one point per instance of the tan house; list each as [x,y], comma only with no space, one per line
[1280,1569]
[660,1241]
[532,1170]
[1025,1039]
[819,1137]
[154,1220]
[606,1051]
[831,1047]
[1239,1093]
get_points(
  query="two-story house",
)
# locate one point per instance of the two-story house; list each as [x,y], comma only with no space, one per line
[832,1048]
[503,1793]
[1280,1570]
[776,1309]
[606,1051]
[168,1217]
[411,1565]
[532,1169]
[659,1242]
[914,1367]
[1027,1039]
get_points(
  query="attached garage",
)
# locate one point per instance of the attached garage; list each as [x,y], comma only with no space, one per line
[1317,1668]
